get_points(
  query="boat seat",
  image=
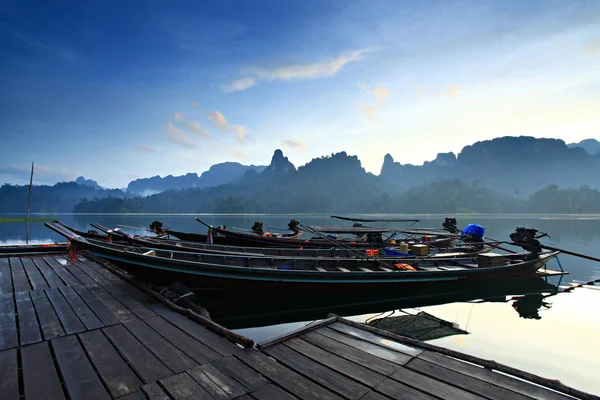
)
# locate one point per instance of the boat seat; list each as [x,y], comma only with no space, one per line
[321,269]
[150,253]
[343,269]
[385,269]
[366,269]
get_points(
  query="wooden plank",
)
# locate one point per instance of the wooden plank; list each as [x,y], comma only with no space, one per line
[98,278]
[197,331]
[374,396]
[65,313]
[295,383]
[137,308]
[51,327]
[61,271]
[79,376]
[79,274]
[49,275]
[235,369]
[118,377]
[144,363]
[272,392]
[100,310]
[367,347]
[40,380]
[350,353]
[190,346]
[19,277]
[431,386]
[35,276]
[9,377]
[29,329]
[484,374]
[170,355]
[101,270]
[115,307]
[8,322]
[134,396]
[463,381]
[6,285]
[155,392]
[218,385]
[85,314]
[327,377]
[398,391]
[373,338]
[297,332]
[337,363]
[183,387]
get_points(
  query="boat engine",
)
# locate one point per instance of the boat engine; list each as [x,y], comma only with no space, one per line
[157,227]
[358,235]
[258,228]
[449,224]
[294,226]
[527,238]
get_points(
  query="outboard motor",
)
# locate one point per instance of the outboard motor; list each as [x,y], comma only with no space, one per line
[294,226]
[258,228]
[157,227]
[527,238]
[449,224]
[358,235]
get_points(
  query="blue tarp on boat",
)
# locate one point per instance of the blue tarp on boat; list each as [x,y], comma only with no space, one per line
[477,231]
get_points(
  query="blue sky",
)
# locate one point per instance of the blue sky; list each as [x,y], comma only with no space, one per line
[120,90]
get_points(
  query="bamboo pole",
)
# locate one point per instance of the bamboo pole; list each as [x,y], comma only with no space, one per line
[29,197]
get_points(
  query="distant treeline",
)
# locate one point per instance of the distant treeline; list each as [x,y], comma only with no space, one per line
[441,196]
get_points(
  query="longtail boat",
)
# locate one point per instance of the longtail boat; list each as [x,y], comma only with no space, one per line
[245,273]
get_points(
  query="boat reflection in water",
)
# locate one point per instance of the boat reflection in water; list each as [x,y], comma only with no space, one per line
[251,310]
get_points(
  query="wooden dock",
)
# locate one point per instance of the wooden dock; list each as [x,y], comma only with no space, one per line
[78,331]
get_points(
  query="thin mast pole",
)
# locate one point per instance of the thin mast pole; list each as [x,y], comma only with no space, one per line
[29,198]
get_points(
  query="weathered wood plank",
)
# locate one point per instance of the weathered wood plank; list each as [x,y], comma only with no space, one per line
[116,308]
[51,327]
[431,386]
[337,363]
[114,371]
[100,310]
[373,338]
[398,391]
[327,377]
[350,353]
[51,277]
[376,350]
[40,380]
[183,387]
[78,273]
[147,366]
[235,369]
[9,378]
[8,322]
[374,396]
[272,392]
[6,285]
[170,355]
[98,278]
[134,396]
[101,270]
[65,313]
[137,308]
[295,383]
[61,271]
[155,392]
[29,329]
[33,273]
[85,314]
[198,332]
[484,374]
[216,383]
[79,376]
[190,346]
[19,277]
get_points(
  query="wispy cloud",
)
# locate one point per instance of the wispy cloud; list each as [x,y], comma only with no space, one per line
[221,123]
[453,90]
[179,116]
[364,86]
[147,149]
[382,94]
[592,48]
[239,154]
[41,173]
[369,111]
[57,50]
[197,128]
[317,69]
[294,144]
[177,136]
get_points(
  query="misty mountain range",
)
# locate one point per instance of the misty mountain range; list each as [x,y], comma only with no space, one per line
[514,167]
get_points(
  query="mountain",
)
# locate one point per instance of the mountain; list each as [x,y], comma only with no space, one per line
[87,182]
[218,174]
[592,146]
[279,165]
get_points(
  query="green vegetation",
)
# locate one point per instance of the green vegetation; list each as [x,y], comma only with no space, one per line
[24,220]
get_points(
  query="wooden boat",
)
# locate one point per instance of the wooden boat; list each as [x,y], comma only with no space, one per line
[257,274]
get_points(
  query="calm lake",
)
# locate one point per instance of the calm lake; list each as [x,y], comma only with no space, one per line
[556,339]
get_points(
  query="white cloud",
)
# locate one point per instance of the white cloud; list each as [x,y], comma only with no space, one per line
[196,127]
[318,69]
[364,86]
[177,136]
[382,94]
[240,84]
[179,116]
[221,123]
[294,144]
[147,149]
[453,90]
[369,111]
